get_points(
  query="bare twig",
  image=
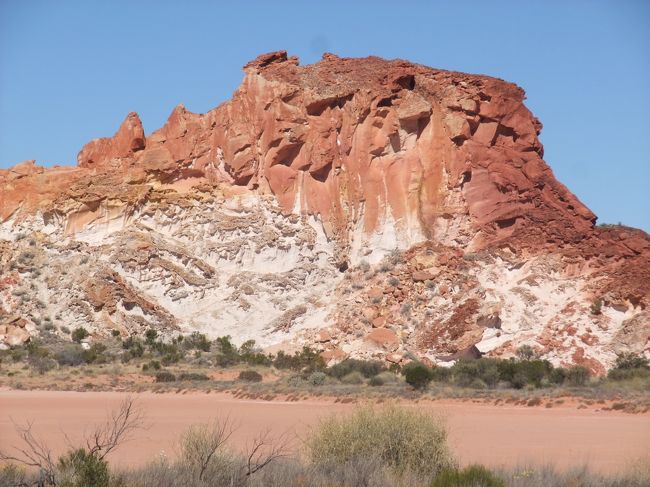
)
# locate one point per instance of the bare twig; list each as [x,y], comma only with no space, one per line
[33,453]
[263,450]
[117,429]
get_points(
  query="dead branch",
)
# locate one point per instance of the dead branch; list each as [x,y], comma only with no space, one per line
[33,453]
[117,429]
[263,450]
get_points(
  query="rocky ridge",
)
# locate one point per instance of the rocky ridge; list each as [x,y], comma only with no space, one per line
[371,207]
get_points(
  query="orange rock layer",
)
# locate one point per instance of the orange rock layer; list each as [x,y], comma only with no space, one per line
[357,143]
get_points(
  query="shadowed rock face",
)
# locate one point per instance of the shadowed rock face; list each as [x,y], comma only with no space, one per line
[376,156]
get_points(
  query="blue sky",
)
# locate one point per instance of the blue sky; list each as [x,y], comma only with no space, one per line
[71,70]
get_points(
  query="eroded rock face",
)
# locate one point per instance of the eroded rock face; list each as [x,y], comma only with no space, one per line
[427,186]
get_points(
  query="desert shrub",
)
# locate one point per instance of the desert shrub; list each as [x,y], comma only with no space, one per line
[417,375]
[353,378]
[471,476]
[171,358]
[630,360]
[628,366]
[115,333]
[197,341]
[193,376]
[441,374]
[317,378]
[165,376]
[388,377]
[393,281]
[70,354]
[133,349]
[250,376]
[12,475]
[150,335]
[252,355]
[476,373]
[307,360]
[151,365]
[522,373]
[526,352]
[367,368]
[96,354]
[41,364]
[402,440]
[79,334]
[80,468]
[577,375]
[227,353]
[376,381]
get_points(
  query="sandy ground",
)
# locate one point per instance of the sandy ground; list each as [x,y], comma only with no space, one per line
[483,433]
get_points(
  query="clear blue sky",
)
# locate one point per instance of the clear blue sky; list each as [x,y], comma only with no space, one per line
[71,70]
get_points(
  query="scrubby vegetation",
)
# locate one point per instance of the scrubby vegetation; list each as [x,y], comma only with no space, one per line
[372,447]
[196,362]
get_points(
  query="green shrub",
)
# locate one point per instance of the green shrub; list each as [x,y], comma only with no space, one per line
[631,360]
[353,378]
[165,376]
[368,368]
[473,373]
[577,375]
[96,354]
[250,376]
[80,468]
[150,335]
[403,440]
[197,341]
[317,378]
[306,360]
[79,334]
[376,381]
[417,375]
[471,476]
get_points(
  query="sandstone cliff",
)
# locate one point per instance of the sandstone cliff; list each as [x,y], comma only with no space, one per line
[373,207]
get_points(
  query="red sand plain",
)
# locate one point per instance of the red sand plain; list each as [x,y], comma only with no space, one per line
[607,441]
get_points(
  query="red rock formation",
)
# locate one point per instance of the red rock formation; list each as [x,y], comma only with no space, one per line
[128,140]
[363,145]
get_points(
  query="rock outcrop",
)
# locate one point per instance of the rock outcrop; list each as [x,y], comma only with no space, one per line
[416,201]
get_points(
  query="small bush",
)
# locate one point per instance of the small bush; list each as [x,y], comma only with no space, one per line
[367,368]
[402,440]
[80,468]
[250,376]
[353,378]
[630,361]
[165,376]
[577,376]
[192,376]
[70,354]
[79,334]
[471,476]
[41,364]
[376,381]
[317,378]
[150,335]
[197,341]
[417,375]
